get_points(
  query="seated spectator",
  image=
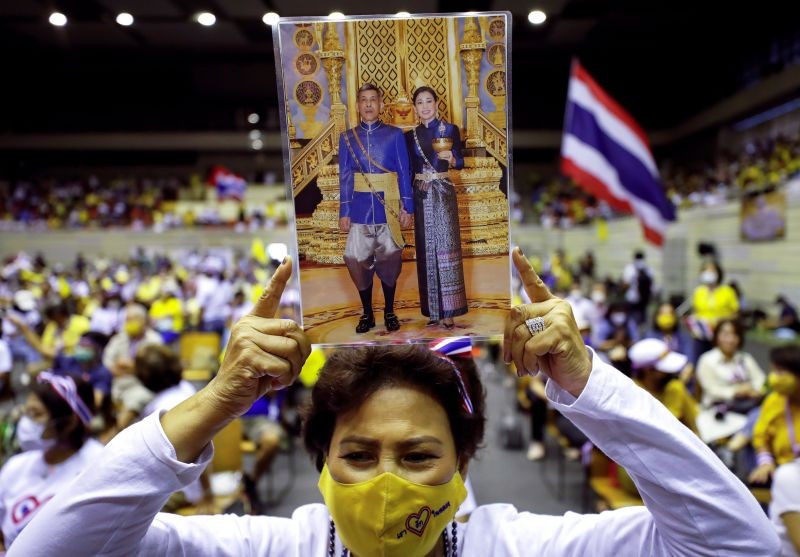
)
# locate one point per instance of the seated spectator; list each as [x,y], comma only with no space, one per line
[788,316]
[121,349]
[666,327]
[784,508]
[775,437]
[166,313]
[86,363]
[712,302]
[262,425]
[657,369]
[54,433]
[532,399]
[727,375]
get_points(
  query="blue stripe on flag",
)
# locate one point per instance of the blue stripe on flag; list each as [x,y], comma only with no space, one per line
[633,174]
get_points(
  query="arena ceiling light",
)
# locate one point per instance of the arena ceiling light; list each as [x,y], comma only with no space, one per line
[270,18]
[253,118]
[402,14]
[537,17]
[257,144]
[58,19]
[206,19]
[255,134]
[336,15]
[125,19]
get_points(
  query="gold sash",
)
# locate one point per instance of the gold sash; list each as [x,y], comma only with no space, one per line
[386,183]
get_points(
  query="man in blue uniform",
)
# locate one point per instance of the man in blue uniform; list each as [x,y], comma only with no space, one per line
[375,202]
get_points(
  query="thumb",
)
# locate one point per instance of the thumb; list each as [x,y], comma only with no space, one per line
[267,305]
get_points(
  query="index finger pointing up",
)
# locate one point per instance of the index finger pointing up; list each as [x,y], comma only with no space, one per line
[535,287]
[267,304]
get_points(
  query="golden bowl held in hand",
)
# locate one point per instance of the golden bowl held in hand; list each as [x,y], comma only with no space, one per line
[442,144]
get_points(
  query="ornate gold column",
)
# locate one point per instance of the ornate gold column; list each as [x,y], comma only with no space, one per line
[472,49]
[332,57]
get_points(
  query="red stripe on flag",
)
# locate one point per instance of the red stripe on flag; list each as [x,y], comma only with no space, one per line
[593,185]
[613,106]
[652,236]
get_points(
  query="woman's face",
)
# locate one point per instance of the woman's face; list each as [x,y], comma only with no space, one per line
[37,411]
[399,430]
[425,105]
[727,340]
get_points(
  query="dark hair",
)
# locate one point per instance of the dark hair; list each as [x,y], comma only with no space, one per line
[738,328]
[369,87]
[56,308]
[786,357]
[423,89]
[157,367]
[73,432]
[350,376]
[638,254]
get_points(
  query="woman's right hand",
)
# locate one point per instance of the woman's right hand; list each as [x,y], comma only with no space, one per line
[762,473]
[263,353]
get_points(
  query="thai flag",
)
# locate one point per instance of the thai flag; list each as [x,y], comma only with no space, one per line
[607,153]
[229,184]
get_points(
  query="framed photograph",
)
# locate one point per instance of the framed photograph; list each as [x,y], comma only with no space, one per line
[763,216]
[397,155]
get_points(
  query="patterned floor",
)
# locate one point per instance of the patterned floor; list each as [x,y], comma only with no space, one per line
[331,307]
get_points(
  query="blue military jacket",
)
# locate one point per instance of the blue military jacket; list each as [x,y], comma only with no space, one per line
[378,148]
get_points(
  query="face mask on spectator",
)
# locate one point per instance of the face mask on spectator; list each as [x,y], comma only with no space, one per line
[29,435]
[618,318]
[599,297]
[666,321]
[708,277]
[133,328]
[84,354]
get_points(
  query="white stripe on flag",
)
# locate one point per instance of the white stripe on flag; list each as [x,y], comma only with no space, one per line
[591,161]
[611,125]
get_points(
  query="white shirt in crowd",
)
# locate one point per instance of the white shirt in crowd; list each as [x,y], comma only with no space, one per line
[695,506]
[720,378]
[785,499]
[169,398]
[5,357]
[27,483]
[106,320]
[630,276]
[213,296]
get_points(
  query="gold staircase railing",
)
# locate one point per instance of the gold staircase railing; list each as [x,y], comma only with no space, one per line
[493,138]
[306,165]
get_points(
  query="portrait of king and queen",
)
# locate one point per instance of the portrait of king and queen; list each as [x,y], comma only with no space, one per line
[425,154]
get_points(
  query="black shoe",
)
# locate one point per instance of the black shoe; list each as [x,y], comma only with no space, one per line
[365,323]
[391,322]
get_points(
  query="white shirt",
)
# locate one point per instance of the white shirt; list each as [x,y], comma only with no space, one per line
[169,398]
[214,296]
[106,320]
[695,506]
[785,499]
[27,483]
[720,377]
[5,357]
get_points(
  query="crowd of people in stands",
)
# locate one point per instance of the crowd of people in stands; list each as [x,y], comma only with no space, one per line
[106,338]
[560,203]
[138,203]
[690,355]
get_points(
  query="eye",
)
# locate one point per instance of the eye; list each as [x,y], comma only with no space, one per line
[420,457]
[357,457]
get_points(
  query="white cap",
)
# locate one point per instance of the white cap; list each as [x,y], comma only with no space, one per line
[25,300]
[654,352]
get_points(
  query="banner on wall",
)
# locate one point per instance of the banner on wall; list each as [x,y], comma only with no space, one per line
[397,140]
[763,216]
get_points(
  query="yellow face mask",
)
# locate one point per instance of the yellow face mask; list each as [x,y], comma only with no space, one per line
[782,383]
[133,328]
[388,516]
[665,321]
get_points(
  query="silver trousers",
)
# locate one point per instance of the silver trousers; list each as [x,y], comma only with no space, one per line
[370,249]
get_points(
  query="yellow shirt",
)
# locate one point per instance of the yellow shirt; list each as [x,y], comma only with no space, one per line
[67,339]
[679,402]
[714,305]
[310,372]
[167,315]
[771,432]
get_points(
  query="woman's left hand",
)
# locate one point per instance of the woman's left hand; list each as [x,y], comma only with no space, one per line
[559,351]
[446,156]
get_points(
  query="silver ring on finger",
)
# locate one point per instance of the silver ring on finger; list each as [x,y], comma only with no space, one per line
[535,325]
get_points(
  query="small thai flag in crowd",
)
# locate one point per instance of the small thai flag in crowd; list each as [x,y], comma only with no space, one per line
[606,152]
[229,185]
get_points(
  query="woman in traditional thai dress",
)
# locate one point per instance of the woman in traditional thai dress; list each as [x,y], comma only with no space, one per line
[434,147]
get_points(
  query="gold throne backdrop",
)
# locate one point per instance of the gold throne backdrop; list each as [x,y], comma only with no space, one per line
[399,55]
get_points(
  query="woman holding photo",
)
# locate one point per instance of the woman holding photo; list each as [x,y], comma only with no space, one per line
[434,147]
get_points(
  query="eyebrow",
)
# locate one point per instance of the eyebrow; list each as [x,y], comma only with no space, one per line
[406,443]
